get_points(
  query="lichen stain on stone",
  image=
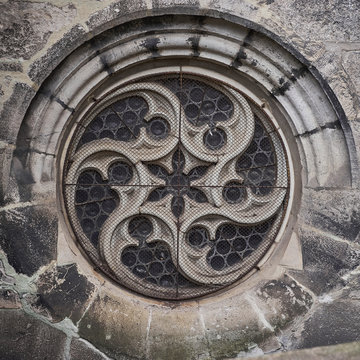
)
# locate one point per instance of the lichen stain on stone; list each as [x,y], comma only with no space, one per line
[151,44]
[241,55]
[194,43]
[64,292]
[26,26]
[285,85]
[292,300]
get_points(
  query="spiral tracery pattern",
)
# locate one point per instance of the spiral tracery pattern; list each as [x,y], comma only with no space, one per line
[176,185]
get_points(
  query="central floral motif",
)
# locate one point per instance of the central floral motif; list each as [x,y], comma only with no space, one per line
[177,183]
[176,186]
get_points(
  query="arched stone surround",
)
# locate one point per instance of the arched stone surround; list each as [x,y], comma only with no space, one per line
[263,308]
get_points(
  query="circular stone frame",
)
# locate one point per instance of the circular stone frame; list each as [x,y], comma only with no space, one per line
[106,257]
[280,81]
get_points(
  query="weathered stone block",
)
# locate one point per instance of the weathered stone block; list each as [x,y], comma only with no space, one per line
[26,26]
[28,236]
[283,301]
[5,279]
[326,20]
[351,63]
[232,325]
[108,17]
[349,351]
[334,211]
[325,261]
[158,4]
[14,110]
[22,336]
[9,299]
[5,160]
[116,327]
[176,334]
[11,66]
[333,323]
[79,350]
[64,292]
[42,67]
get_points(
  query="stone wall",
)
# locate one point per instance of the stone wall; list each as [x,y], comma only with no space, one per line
[54,303]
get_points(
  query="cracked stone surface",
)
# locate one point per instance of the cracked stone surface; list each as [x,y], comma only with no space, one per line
[65,317]
[28,237]
[23,29]
[80,350]
[28,335]
[326,261]
[63,292]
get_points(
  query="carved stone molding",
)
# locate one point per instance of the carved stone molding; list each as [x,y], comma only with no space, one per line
[175,185]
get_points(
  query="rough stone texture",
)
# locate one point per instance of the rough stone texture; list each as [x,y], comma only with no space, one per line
[5,279]
[119,331]
[63,292]
[22,335]
[333,211]
[11,66]
[325,261]
[14,110]
[234,325]
[9,299]
[80,350]
[42,67]
[288,297]
[333,323]
[106,17]
[5,159]
[35,36]
[184,335]
[349,351]
[333,20]
[28,236]
[351,64]
[23,31]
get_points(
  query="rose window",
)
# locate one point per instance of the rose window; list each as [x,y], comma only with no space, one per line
[176,185]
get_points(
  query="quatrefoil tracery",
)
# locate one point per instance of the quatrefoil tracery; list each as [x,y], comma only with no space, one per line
[202,173]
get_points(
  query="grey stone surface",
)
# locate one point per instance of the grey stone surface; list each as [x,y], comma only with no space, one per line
[24,337]
[119,331]
[63,292]
[14,110]
[41,68]
[332,210]
[5,279]
[80,350]
[332,323]
[350,351]
[26,26]
[233,326]
[9,299]
[28,236]
[325,261]
[110,15]
[334,20]
[37,35]
[351,64]
[11,66]
[5,160]
[176,334]
[285,295]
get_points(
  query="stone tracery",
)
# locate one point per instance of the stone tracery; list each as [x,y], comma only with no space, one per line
[190,162]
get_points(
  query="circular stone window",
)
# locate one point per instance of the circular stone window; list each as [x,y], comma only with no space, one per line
[176,185]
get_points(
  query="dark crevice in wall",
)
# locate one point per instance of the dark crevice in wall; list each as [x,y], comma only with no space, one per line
[194,42]
[241,55]
[332,125]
